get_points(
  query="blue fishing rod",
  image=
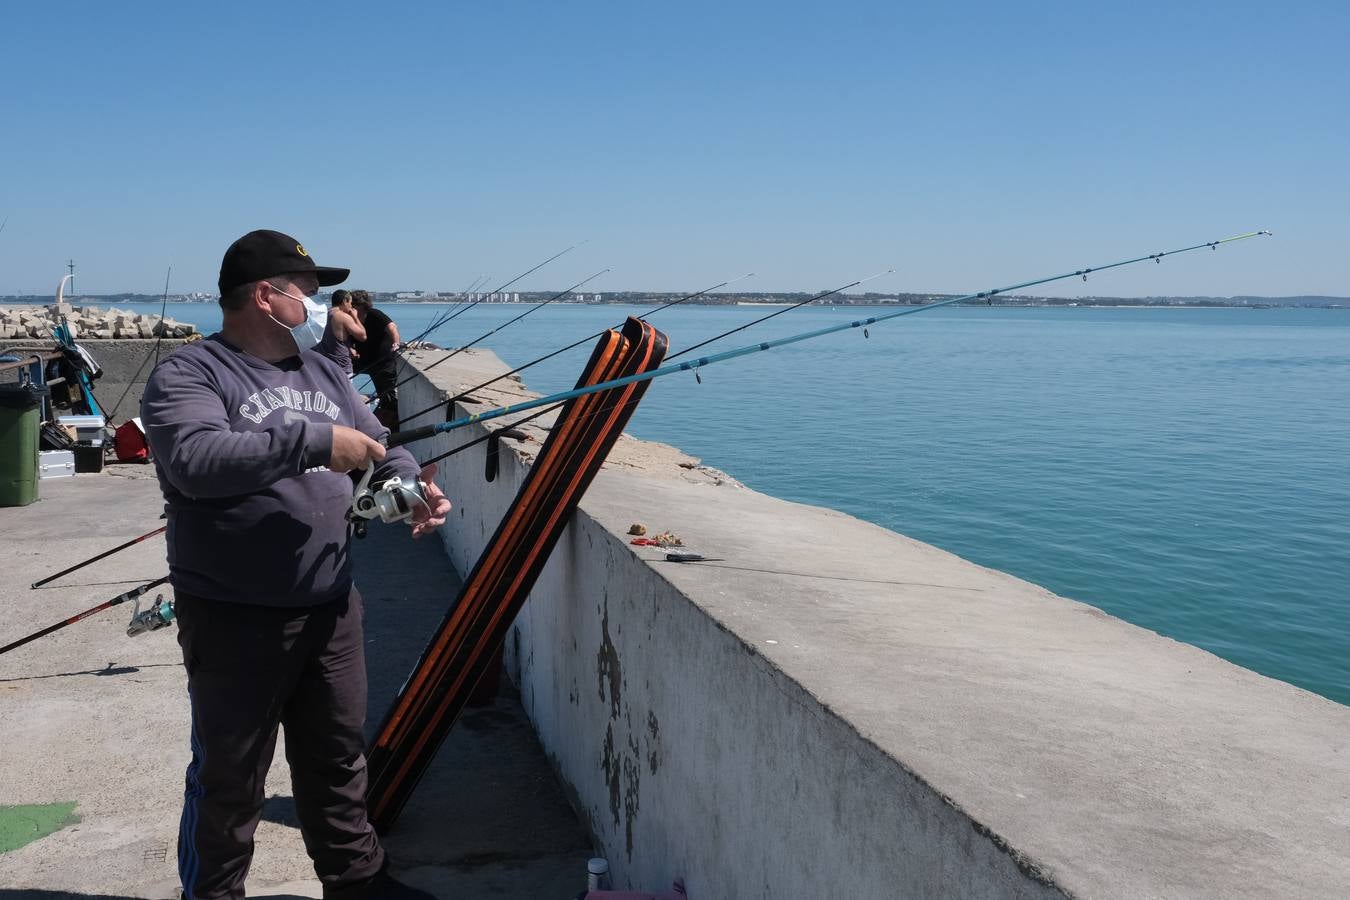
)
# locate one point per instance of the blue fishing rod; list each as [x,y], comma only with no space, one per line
[415,434]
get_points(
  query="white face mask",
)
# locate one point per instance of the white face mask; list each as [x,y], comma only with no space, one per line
[309,332]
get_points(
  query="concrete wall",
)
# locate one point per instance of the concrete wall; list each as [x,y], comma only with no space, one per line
[126,365]
[829,709]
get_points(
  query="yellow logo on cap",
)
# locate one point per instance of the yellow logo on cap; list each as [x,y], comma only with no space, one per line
[300,248]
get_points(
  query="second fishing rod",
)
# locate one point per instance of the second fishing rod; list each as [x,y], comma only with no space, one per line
[572,346]
[493,437]
[446,318]
[564,292]
[487,334]
[415,434]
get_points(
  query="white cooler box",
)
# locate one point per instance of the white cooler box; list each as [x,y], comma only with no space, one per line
[87,428]
[56,464]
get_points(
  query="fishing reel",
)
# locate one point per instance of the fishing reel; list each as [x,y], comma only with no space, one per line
[159,615]
[393,501]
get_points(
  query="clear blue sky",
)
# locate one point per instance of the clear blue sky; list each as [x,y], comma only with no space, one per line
[967,146]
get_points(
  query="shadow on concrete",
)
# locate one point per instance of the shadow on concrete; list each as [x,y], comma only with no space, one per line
[10,894]
[109,669]
[489,816]
[280,809]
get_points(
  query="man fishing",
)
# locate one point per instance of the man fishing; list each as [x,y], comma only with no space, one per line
[342,331]
[252,434]
[376,355]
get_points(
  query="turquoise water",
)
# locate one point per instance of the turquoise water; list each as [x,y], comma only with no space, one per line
[1184,470]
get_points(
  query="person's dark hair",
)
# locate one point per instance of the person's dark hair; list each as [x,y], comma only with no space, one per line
[236,298]
[361,300]
[341,297]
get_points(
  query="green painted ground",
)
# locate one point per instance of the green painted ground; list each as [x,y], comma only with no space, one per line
[21,825]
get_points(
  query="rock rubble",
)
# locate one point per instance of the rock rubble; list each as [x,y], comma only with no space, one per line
[90,322]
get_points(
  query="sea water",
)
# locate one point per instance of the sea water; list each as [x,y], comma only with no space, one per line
[1183,469]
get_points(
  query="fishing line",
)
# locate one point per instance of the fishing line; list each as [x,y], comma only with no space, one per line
[396,354]
[163,309]
[785,309]
[463,296]
[531,418]
[503,287]
[404,437]
[388,356]
[564,292]
[465,393]
[446,316]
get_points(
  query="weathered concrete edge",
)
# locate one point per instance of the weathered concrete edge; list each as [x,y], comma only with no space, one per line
[454,476]
[126,364]
[563,582]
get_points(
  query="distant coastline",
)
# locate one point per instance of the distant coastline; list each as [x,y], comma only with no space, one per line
[644,298]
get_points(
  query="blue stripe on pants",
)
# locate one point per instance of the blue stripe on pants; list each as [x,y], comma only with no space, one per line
[188,860]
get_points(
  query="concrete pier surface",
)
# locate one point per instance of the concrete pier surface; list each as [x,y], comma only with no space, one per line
[819,708]
[824,708]
[90,716]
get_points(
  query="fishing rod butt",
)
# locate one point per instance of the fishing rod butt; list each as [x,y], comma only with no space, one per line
[399,438]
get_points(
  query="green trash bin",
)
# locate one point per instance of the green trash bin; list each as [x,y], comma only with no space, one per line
[19,427]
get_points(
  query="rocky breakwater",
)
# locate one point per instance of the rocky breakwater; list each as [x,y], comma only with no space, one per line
[91,323]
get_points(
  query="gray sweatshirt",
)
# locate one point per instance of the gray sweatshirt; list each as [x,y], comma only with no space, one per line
[240,445]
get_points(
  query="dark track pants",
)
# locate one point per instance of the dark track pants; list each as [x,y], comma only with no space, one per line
[385,380]
[251,668]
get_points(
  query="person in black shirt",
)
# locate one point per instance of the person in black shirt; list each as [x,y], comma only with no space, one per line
[375,356]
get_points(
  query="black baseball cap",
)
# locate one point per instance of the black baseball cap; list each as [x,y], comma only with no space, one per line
[266,254]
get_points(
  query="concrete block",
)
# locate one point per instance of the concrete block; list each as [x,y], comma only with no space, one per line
[832,709]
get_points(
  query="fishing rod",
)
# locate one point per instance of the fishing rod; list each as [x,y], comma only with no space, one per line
[107,604]
[436,322]
[464,296]
[785,309]
[518,369]
[163,309]
[503,287]
[497,435]
[500,288]
[104,555]
[564,292]
[445,316]
[415,434]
